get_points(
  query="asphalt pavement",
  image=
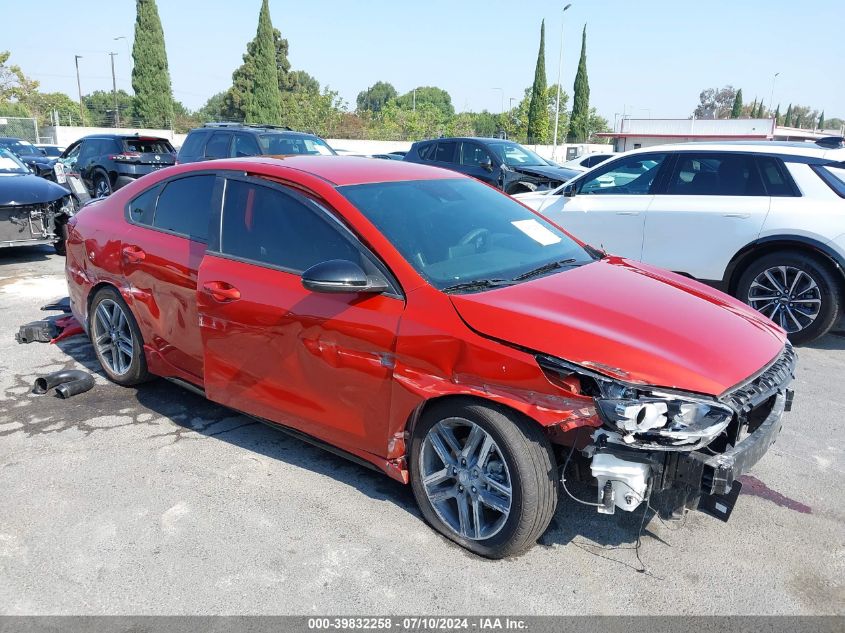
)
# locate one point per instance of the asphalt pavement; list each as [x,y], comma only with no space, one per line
[156,501]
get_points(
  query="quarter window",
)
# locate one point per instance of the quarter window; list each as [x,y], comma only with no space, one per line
[634,175]
[142,208]
[266,225]
[714,174]
[184,206]
[774,177]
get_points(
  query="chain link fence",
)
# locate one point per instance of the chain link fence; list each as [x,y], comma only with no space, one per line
[22,127]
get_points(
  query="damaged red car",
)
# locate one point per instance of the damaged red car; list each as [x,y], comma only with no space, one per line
[425,324]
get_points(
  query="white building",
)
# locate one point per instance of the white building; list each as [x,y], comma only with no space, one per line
[635,133]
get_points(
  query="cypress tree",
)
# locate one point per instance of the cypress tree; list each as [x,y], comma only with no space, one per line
[153,104]
[777,115]
[263,102]
[736,110]
[787,119]
[821,121]
[580,119]
[538,108]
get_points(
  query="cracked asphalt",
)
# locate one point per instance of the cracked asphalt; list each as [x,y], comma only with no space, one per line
[155,501]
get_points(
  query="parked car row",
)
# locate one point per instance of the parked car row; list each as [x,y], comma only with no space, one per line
[436,329]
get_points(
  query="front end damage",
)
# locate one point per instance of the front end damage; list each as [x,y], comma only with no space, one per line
[671,450]
[38,223]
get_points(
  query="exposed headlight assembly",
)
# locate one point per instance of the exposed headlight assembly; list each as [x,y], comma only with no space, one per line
[646,417]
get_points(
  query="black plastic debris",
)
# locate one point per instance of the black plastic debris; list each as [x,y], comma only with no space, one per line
[42,331]
[59,305]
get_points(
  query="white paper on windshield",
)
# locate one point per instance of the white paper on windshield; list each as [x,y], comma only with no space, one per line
[537,232]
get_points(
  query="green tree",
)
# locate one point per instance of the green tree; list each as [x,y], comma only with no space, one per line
[301,81]
[715,103]
[214,109]
[153,105]
[821,121]
[787,119]
[736,110]
[376,96]
[100,107]
[580,119]
[263,101]
[14,85]
[538,116]
[563,124]
[777,115]
[438,98]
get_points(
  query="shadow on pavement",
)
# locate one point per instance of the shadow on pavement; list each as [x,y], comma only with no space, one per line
[25,254]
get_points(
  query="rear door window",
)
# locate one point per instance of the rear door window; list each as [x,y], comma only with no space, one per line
[715,174]
[184,206]
[445,152]
[218,145]
[426,151]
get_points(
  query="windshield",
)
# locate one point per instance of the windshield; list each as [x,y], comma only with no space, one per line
[11,164]
[22,148]
[148,146]
[458,231]
[285,145]
[515,155]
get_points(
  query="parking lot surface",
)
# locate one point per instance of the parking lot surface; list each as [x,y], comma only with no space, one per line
[155,501]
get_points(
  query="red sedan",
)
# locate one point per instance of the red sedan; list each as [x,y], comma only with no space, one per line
[430,326]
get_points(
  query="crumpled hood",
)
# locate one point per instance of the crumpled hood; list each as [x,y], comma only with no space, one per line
[16,189]
[555,173]
[651,325]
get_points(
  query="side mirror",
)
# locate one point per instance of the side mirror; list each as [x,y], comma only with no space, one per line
[340,275]
[487,166]
[569,191]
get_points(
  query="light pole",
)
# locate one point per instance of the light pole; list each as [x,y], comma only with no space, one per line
[502,107]
[772,93]
[559,67]
[114,92]
[76,58]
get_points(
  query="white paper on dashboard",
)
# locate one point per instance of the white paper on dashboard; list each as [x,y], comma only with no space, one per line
[537,232]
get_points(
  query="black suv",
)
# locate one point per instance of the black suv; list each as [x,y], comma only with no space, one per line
[501,163]
[106,162]
[232,140]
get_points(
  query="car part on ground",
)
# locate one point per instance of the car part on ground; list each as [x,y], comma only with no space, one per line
[372,306]
[714,212]
[32,209]
[503,164]
[42,331]
[78,381]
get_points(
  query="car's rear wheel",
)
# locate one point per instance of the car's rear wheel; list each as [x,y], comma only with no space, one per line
[483,476]
[795,290]
[117,339]
[102,186]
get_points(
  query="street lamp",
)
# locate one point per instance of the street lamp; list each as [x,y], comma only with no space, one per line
[559,67]
[76,59]
[772,93]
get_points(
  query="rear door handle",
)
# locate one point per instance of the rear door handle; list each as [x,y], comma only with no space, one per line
[133,254]
[627,213]
[221,291]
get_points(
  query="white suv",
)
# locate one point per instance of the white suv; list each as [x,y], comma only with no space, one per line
[762,221]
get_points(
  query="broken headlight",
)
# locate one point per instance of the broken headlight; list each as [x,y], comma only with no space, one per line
[664,421]
[647,417]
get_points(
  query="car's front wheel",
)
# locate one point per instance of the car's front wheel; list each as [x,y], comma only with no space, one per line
[483,476]
[795,290]
[116,338]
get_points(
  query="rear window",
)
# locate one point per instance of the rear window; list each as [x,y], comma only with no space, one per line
[148,146]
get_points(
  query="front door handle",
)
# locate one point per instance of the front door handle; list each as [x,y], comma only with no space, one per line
[627,213]
[743,216]
[221,291]
[133,254]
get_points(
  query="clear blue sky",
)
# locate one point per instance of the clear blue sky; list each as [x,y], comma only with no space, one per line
[653,56]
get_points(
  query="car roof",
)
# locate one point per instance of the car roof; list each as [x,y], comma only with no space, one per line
[338,170]
[255,129]
[133,137]
[783,148]
[480,139]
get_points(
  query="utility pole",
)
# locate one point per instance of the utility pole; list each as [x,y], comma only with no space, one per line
[415,99]
[772,93]
[79,87]
[559,67]
[114,92]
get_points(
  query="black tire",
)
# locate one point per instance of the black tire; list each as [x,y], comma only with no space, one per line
[829,290]
[136,372]
[531,465]
[61,248]
[102,186]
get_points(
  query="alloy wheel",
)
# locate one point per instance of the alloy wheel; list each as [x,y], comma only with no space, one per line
[101,189]
[466,478]
[787,295]
[112,337]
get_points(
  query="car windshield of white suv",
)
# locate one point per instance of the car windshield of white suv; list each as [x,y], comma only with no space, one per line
[11,164]
[279,144]
[462,235]
[514,155]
